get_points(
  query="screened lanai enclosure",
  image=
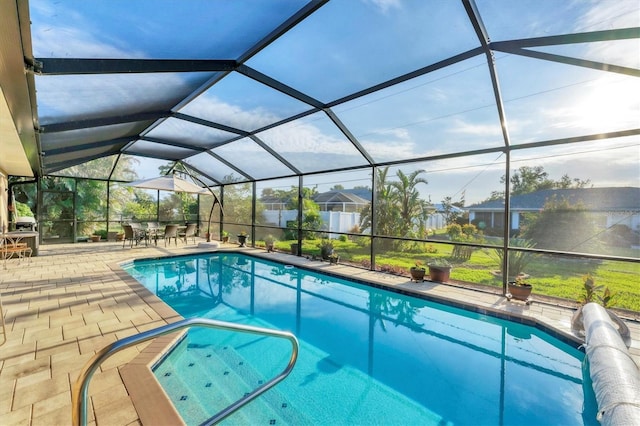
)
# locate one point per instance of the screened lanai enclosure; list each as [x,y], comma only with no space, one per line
[499,136]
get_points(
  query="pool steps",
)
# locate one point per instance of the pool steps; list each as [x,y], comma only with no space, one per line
[80,390]
[268,408]
[224,376]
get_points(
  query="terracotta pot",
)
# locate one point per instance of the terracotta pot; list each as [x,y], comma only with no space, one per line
[520,291]
[417,274]
[439,273]
[95,238]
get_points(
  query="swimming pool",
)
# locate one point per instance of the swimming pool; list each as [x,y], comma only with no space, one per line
[367,356]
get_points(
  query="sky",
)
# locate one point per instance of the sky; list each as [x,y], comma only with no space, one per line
[350,45]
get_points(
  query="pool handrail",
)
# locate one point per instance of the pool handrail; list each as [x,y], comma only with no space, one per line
[81,386]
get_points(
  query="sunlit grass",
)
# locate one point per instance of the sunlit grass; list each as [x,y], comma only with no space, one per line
[555,276]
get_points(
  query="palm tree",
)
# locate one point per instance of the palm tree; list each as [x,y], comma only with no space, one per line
[408,199]
[385,210]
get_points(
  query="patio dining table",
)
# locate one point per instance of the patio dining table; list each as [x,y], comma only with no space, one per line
[152,232]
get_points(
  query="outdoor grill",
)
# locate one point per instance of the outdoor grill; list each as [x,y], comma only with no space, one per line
[26,223]
[26,230]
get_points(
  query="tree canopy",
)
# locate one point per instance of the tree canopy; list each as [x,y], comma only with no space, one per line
[400,211]
[531,179]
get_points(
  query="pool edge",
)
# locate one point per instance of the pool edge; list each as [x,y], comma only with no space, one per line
[149,400]
[152,404]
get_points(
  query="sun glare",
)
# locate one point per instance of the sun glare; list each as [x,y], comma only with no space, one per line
[612,102]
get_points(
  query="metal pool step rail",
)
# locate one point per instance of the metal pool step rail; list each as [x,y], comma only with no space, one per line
[81,386]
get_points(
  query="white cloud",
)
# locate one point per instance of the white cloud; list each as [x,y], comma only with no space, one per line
[462,127]
[384,5]
[609,15]
[211,108]
[61,38]
[305,137]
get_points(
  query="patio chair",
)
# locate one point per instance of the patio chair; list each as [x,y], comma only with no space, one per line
[10,248]
[189,231]
[153,228]
[170,231]
[129,234]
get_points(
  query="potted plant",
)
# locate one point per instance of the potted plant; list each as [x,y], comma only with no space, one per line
[98,235]
[417,272]
[334,258]
[225,236]
[326,248]
[520,289]
[439,270]
[242,238]
[518,259]
[269,242]
[590,295]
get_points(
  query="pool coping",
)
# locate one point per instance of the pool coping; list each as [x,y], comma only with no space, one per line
[155,407]
[147,395]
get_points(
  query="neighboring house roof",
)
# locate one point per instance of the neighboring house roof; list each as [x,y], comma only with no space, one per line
[363,193]
[439,208]
[593,199]
[339,197]
[270,199]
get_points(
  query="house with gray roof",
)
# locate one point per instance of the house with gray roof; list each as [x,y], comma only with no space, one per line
[341,200]
[619,206]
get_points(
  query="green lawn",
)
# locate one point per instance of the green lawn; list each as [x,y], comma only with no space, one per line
[550,275]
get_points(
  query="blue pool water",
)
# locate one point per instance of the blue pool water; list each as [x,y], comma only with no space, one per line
[367,356]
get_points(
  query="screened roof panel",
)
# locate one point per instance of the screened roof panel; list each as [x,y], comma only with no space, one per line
[313,143]
[452,109]
[153,149]
[507,19]
[253,159]
[201,179]
[243,103]
[389,73]
[182,131]
[79,137]
[55,162]
[100,168]
[547,100]
[64,98]
[132,167]
[347,46]
[152,29]
[214,168]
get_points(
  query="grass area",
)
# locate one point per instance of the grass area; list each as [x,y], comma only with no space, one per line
[550,275]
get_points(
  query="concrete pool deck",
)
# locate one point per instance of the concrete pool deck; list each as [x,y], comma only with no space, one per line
[69,302]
